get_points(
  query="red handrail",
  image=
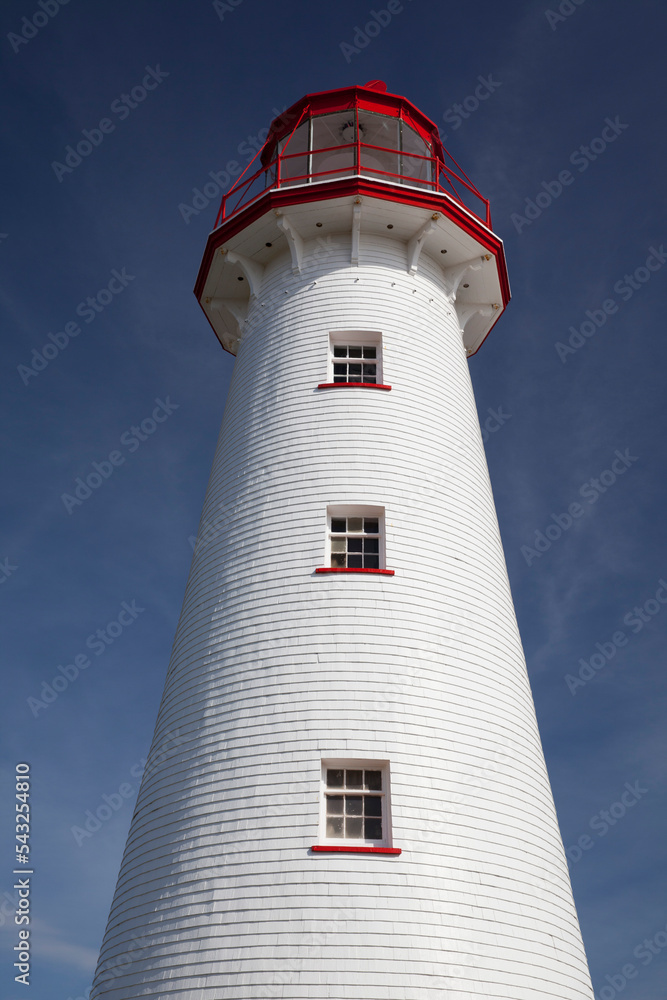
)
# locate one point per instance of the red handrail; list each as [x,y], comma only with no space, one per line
[441,171]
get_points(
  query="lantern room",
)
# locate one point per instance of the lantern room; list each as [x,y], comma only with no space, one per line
[363,162]
[356,131]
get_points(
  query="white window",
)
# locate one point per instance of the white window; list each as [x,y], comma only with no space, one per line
[355,358]
[356,537]
[355,802]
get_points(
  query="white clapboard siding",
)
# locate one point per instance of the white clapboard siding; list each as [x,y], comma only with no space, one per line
[276,668]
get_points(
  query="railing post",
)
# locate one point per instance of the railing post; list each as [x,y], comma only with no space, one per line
[358,142]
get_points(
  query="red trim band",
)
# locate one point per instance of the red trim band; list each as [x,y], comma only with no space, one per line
[275,198]
[348,385]
[359,850]
[346,569]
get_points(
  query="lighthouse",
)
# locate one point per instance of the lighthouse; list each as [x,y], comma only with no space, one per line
[346,795]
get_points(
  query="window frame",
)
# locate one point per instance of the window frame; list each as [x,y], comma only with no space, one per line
[335,511]
[347,552]
[355,338]
[348,843]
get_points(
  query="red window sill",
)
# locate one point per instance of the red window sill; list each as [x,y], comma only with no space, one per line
[353,385]
[344,569]
[359,850]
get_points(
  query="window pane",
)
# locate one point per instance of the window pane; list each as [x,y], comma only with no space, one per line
[412,142]
[354,523]
[370,352]
[335,805]
[354,352]
[357,561]
[340,378]
[372,805]
[414,169]
[354,370]
[337,560]
[371,545]
[373,780]
[294,165]
[378,130]
[338,545]
[377,162]
[340,369]
[335,826]
[372,829]
[337,130]
[338,523]
[369,371]
[370,562]
[340,352]
[370,525]
[354,779]
[353,826]
[355,544]
[354,805]
[335,778]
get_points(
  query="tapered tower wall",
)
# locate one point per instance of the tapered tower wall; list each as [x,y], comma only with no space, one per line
[276,667]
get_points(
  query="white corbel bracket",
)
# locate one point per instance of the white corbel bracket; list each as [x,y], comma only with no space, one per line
[233,313]
[454,275]
[356,232]
[294,241]
[239,310]
[415,245]
[470,309]
[253,271]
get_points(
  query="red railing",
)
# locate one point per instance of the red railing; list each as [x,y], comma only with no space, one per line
[440,177]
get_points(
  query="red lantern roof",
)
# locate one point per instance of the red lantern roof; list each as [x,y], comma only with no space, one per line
[371,97]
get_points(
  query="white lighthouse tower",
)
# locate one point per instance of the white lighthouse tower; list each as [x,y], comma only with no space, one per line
[346,795]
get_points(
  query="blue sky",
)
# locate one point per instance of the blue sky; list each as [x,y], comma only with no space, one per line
[576,88]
